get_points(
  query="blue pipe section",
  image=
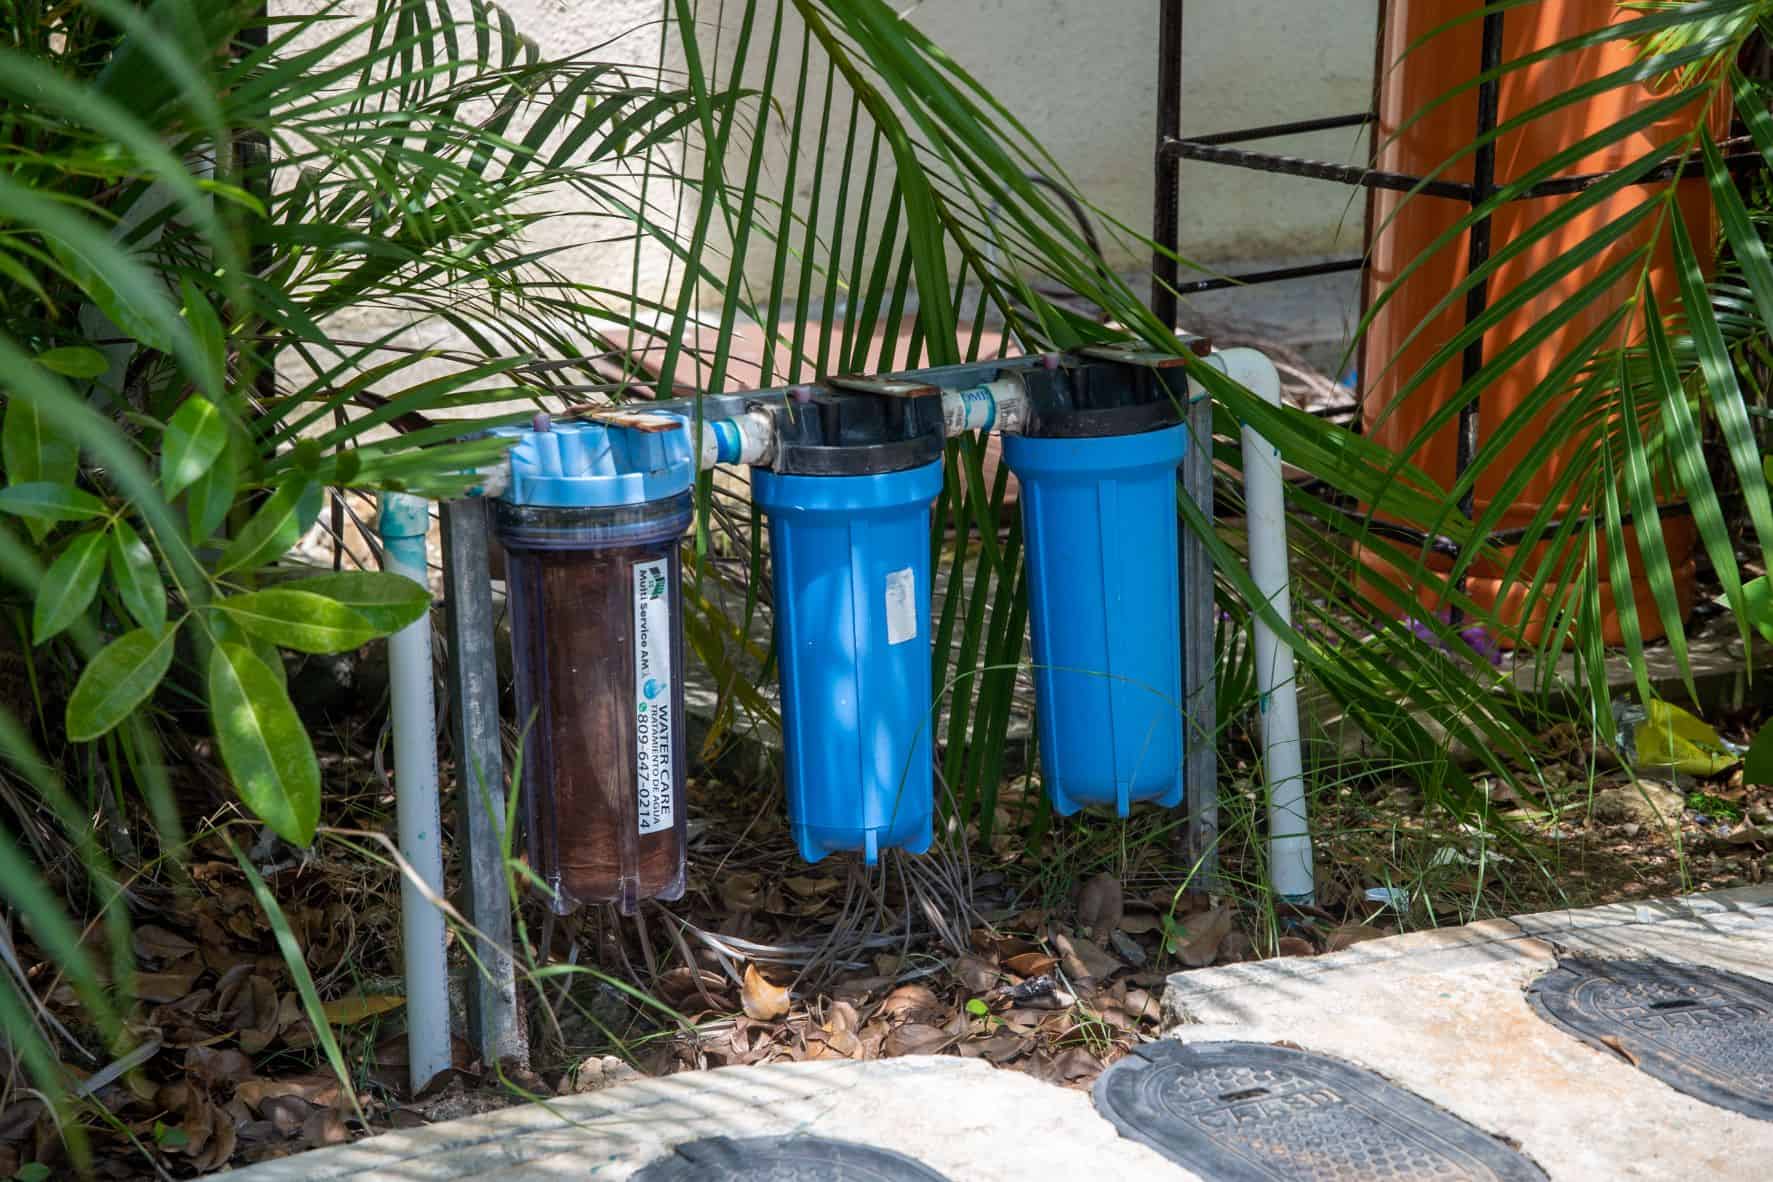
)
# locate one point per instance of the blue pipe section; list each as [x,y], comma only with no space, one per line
[728,445]
[403,522]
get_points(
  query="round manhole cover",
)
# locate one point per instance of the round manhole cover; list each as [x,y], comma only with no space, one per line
[1250,1112]
[1699,1030]
[783,1159]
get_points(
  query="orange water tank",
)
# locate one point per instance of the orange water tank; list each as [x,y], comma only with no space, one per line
[1403,227]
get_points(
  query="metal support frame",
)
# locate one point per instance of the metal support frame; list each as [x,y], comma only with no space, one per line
[1217,148]
[1197,477]
[495,1024]
[1200,769]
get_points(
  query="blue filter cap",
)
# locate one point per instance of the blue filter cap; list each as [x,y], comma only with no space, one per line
[590,464]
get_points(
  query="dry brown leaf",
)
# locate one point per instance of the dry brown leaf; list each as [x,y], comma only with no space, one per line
[762,1000]
[841,1016]
[324,1127]
[19,1118]
[1611,1041]
[1075,1063]
[287,1113]
[1236,947]
[678,985]
[859,989]
[212,1067]
[359,1007]
[1137,923]
[915,1038]
[156,943]
[1085,960]
[910,1002]
[1002,948]
[742,891]
[1032,964]
[1350,934]
[1294,946]
[1141,1005]
[1100,905]
[1000,1047]
[319,1090]
[1205,934]
[808,887]
[975,973]
[837,1044]
[170,986]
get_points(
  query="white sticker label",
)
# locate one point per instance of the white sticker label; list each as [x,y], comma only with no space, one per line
[901,606]
[652,695]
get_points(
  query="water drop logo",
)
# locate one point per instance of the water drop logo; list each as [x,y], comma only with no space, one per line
[651,688]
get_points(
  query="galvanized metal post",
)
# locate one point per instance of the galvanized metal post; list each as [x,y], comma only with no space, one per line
[1200,769]
[495,1025]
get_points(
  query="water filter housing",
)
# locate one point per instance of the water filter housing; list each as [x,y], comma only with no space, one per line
[591,523]
[1097,468]
[848,501]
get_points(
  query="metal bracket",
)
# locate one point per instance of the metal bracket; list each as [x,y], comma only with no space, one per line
[1133,353]
[886,387]
[495,1024]
[645,421]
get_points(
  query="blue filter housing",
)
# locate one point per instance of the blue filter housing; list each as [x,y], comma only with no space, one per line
[850,548]
[1099,522]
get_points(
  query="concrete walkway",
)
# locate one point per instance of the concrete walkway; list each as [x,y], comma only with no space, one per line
[1441,1013]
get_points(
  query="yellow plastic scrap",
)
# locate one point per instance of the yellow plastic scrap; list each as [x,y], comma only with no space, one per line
[1669,737]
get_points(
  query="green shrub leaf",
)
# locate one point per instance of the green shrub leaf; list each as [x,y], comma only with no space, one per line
[206,327]
[272,530]
[136,578]
[43,500]
[263,743]
[68,586]
[75,361]
[1757,596]
[299,619]
[118,680]
[33,450]
[1757,765]
[195,439]
[210,498]
[388,601]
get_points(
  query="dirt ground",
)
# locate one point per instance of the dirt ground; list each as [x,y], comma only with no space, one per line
[1045,957]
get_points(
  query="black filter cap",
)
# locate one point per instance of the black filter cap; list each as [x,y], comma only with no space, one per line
[1096,398]
[822,432]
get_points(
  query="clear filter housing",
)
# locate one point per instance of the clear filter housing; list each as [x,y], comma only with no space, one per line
[597,635]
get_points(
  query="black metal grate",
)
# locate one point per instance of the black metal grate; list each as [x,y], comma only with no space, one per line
[783,1159]
[1699,1030]
[1251,1112]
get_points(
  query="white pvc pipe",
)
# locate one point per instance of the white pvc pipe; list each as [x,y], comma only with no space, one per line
[404,521]
[1289,836]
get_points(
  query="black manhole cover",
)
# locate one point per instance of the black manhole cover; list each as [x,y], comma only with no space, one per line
[783,1159]
[1701,1031]
[1250,1112]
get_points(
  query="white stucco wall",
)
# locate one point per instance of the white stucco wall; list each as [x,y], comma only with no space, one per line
[1081,74]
